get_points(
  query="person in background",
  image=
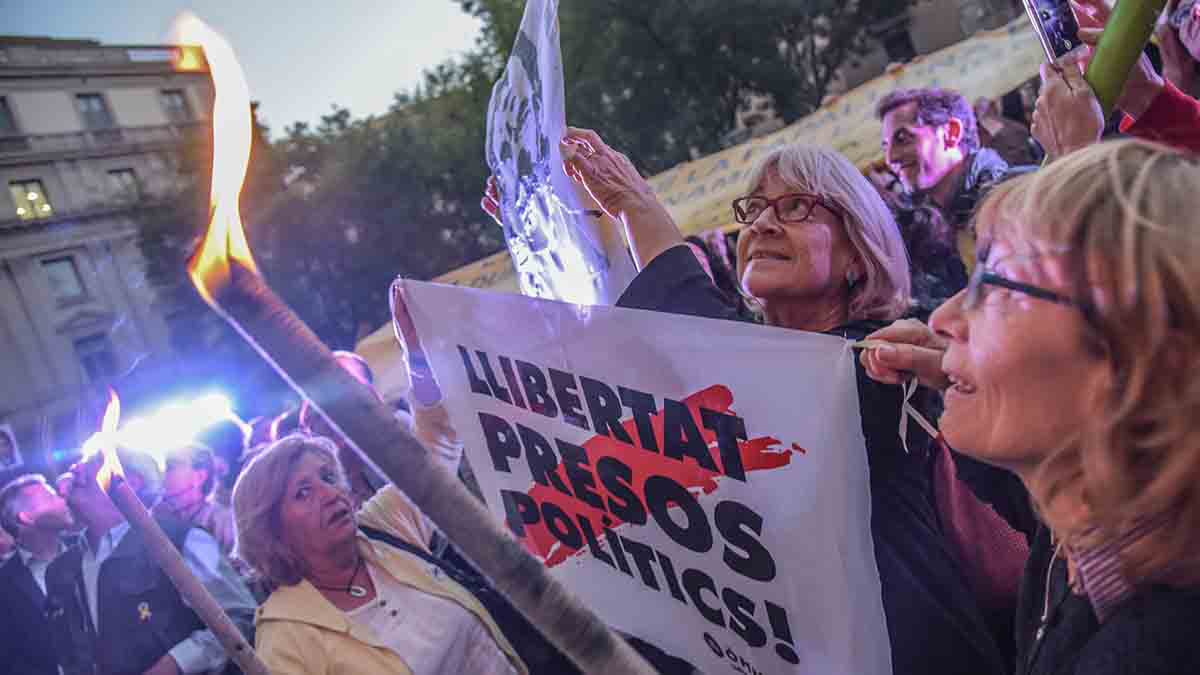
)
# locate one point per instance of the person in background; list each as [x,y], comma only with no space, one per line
[930,140]
[712,252]
[1069,117]
[1070,360]
[345,601]
[36,516]
[819,251]
[1011,140]
[188,481]
[111,609]
[227,439]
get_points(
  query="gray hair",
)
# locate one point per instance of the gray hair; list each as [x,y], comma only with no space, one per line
[13,500]
[885,292]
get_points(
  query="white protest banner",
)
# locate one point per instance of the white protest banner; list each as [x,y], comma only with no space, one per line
[701,484]
[561,246]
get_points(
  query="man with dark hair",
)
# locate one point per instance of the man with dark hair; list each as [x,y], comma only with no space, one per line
[931,142]
[112,610]
[188,482]
[36,517]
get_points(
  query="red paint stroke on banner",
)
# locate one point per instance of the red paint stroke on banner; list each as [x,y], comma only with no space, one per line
[758,454]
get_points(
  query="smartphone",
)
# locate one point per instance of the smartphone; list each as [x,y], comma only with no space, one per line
[1055,26]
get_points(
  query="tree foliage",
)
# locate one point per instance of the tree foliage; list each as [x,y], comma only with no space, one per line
[663,81]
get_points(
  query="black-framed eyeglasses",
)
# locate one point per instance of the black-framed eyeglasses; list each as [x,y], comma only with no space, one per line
[981,277]
[1181,13]
[790,208]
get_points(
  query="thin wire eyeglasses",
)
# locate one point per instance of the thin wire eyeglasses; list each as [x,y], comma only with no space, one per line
[984,276]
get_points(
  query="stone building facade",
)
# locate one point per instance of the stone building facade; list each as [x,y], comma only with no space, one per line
[88,134]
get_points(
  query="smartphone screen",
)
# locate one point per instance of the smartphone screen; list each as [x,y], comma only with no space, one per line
[1055,26]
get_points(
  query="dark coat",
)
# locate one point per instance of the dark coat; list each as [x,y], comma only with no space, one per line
[25,644]
[933,619]
[931,232]
[1156,632]
[141,614]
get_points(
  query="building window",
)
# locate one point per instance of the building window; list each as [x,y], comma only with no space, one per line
[8,124]
[95,111]
[97,118]
[175,104]
[30,199]
[96,355]
[65,282]
[10,138]
[125,184]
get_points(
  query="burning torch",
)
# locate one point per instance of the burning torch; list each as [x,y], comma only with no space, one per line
[225,274]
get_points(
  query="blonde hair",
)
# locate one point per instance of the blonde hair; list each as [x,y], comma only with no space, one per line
[885,291]
[1125,213]
[256,507]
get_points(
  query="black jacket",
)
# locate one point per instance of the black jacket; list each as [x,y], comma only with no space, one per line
[1156,632]
[25,644]
[141,614]
[933,620]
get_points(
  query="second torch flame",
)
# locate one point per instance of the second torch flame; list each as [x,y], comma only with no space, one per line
[225,239]
[105,441]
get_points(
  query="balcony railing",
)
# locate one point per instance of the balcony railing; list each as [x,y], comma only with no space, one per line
[121,139]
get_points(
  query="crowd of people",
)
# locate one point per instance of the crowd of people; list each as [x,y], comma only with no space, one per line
[1050,312]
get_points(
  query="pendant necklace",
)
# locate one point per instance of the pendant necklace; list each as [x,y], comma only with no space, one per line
[352,589]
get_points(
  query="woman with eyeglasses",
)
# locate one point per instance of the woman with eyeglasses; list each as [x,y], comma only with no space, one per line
[1071,360]
[819,251]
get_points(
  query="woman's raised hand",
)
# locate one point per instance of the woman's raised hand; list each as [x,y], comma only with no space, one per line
[912,349]
[607,174]
[618,188]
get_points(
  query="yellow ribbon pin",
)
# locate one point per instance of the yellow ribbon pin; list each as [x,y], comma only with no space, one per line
[144,611]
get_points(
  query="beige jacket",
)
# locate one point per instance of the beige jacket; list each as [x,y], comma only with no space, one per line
[300,632]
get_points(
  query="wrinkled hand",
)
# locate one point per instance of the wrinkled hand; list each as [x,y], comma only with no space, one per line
[1144,83]
[164,666]
[914,350]
[491,200]
[608,175]
[1067,116]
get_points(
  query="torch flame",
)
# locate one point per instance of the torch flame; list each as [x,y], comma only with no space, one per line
[225,239]
[106,439]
